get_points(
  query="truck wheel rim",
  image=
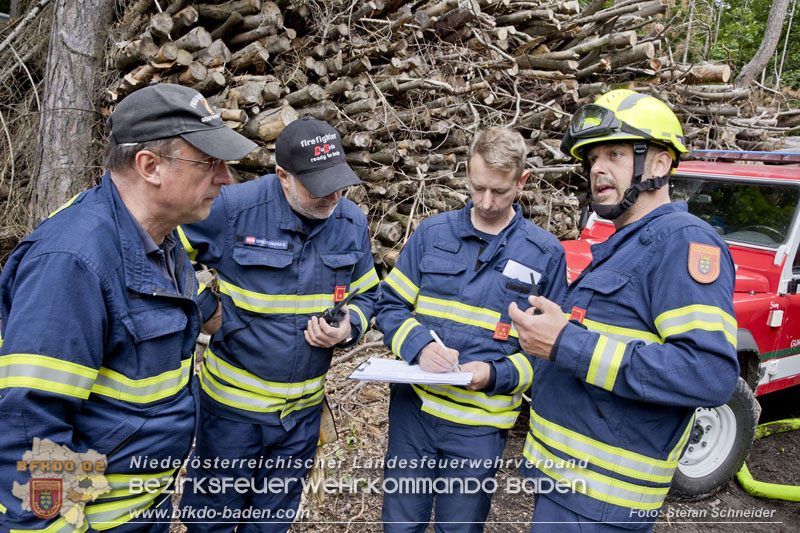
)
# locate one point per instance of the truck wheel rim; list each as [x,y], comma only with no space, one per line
[713,437]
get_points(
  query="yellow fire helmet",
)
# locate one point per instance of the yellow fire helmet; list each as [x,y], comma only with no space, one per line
[621,115]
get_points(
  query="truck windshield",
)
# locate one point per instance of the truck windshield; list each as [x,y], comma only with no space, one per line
[740,212]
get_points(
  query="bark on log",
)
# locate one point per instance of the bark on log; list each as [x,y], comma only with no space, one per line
[268,124]
[195,40]
[223,11]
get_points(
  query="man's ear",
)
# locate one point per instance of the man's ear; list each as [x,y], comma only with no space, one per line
[522,180]
[660,164]
[147,165]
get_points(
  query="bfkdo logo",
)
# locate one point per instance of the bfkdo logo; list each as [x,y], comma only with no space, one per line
[324,149]
[46,497]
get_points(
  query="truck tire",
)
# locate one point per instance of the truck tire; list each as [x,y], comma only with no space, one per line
[720,441]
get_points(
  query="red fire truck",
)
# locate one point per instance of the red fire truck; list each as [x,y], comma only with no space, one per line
[755,209]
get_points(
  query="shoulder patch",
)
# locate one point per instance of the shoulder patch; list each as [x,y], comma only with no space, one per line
[704,261]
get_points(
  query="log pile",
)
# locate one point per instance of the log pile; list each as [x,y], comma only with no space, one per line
[407,83]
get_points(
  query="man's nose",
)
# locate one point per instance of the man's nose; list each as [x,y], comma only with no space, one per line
[222,175]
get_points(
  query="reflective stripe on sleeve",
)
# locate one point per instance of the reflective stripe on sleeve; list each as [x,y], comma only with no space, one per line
[524,370]
[48,374]
[402,285]
[692,317]
[115,385]
[121,483]
[625,335]
[362,318]
[401,334]
[612,458]
[365,282]
[606,360]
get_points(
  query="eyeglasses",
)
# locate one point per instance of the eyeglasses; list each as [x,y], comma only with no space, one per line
[212,165]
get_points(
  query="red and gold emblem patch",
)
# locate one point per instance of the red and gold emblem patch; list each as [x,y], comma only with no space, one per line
[704,262]
[46,497]
[338,293]
[501,331]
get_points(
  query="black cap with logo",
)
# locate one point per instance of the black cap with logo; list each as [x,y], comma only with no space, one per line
[312,150]
[169,110]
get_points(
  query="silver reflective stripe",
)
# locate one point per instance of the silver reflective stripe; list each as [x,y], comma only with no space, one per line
[402,333]
[107,515]
[142,390]
[367,281]
[59,377]
[605,363]
[362,319]
[624,335]
[458,312]
[276,303]
[465,415]
[525,370]
[259,387]
[592,484]
[122,481]
[400,283]
[487,401]
[236,398]
[711,320]
[614,459]
[302,404]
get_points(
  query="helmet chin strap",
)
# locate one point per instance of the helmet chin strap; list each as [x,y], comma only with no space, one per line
[613,211]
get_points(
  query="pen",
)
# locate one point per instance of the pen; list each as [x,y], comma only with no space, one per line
[534,292]
[456,368]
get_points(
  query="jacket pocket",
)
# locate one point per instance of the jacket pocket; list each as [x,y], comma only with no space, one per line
[342,265]
[153,321]
[113,441]
[262,257]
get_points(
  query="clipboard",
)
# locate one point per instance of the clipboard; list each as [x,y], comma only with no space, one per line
[397,371]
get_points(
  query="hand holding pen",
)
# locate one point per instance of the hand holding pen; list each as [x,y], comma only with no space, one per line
[436,357]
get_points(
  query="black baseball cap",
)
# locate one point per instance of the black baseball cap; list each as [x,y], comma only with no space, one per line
[312,150]
[169,110]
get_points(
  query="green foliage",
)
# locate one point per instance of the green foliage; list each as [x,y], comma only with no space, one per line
[741,29]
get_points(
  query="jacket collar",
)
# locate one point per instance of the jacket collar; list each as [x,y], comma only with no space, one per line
[466,229]
[139,273]
[641,228]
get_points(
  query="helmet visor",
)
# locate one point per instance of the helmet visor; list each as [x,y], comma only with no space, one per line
[593,121]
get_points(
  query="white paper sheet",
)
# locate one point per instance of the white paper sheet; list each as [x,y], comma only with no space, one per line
[396,371]
[520,272]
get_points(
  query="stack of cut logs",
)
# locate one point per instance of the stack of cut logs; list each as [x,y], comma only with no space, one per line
[407,83]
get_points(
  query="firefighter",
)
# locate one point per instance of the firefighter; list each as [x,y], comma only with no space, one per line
[455,277]
[644,336]
[99,327]
[286,247]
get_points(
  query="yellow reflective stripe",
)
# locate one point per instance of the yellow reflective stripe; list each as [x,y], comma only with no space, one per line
[261,387]
[66,205]
[703,317]
[621,334]
[236,397]
[365,282]
[677,451]
[240,399]
[107,515]
[402,333]
[121,483]
[593,484]
[362,318]
[115,385]
[276,303]
[187,245]
[606,359]
[612,458]
[462,414]
[493,404]
[402,285]
[200,287]
[59,526]
[524,369]
[3,508]
[48,374]
[461,313]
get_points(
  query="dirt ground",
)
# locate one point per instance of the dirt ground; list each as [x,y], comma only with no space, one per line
[352,488]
